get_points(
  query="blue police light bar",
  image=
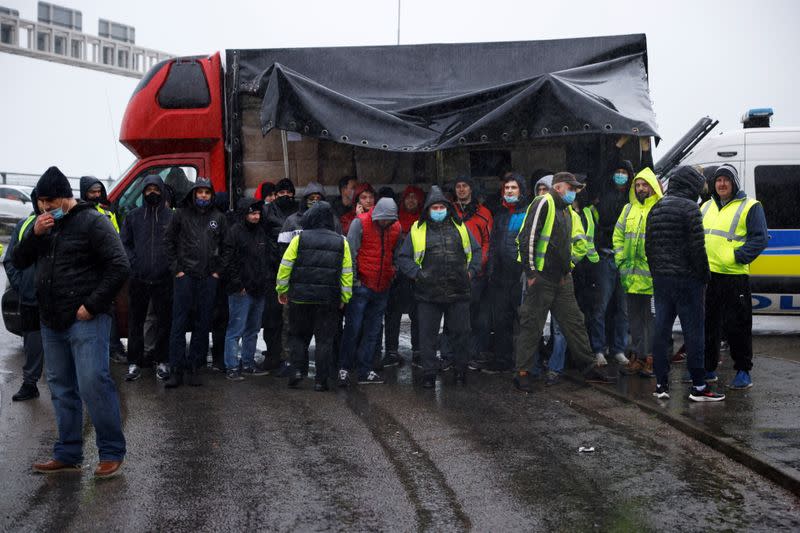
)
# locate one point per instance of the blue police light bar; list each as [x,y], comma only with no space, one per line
[758,117]
[760,112]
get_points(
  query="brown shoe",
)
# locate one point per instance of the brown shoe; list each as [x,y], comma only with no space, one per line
[633,367]
[52,466]
[647,368]
[107,468]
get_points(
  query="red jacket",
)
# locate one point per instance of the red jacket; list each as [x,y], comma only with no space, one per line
[479,223]
[376,254]
[407,218]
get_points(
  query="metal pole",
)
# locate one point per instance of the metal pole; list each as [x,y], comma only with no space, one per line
[398,21]
[285,145]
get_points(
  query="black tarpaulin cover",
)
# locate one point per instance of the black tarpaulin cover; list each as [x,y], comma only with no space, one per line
[436,96]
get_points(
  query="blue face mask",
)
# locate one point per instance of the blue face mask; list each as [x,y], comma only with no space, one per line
[202,203]
[57,213]
[569,196]
[438,216]
[511,199]
[620,178]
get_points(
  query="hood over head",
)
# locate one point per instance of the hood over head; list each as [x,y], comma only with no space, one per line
[728,171]
[155,179]
[312,188]
[385,209]
[246,206]
[547,181]
[436,196]
[628,166]
[685,182]
[188,200]
[319,216]
[650,177]
[416,191]
[87,182]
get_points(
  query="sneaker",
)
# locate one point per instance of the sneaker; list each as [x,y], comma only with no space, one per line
[598,375]
[475,365]
[233,375]
[647,368]
[371,378]
[620,358]
[162,372]
[741,381]
[496,367]
[680,356]
[28,391]
[344,378]
[705,395]
[391,359]
[711,377]
[662,391]
[600,359]
[724,346]
[522,382]
[552,378]
[461,377]
[295,377]
[429,381]
[251,371]
[445,365]
[633,367]
[133,373]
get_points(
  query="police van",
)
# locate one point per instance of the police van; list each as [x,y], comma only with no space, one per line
[768,162]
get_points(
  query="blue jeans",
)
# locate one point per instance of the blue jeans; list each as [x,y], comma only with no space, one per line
[76,365]
[244,322]
[558,354]
[608,288]
[683,297]
[192,297]
[362,328]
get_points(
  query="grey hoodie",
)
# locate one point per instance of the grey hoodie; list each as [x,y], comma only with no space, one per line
[385,209]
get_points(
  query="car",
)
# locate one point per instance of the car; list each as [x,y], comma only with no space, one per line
[15,202]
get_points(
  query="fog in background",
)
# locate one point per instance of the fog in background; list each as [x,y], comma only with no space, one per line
[705,58]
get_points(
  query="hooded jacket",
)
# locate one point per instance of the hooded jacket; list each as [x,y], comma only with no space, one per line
[629,237]
[246,254]
[674,240]
[407,218]
[142,236]
[547,181]
[757,234]
[102,205]
[293,224]
[372,247]
[444,276]
[194,237]
[612,201]
[479,223]
[502,267]
[80,262]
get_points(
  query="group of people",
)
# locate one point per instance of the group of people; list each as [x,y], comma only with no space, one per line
[478,284]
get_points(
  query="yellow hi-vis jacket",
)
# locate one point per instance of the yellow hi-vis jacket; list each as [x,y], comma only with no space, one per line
[726,230]
[579,242]
[419,231]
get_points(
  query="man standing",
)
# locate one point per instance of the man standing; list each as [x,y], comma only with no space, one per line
[344,202]
[248,266]
[631,261]
[478,220]
[676,254]
[364,199]
[193,244]
[315,279]
[373,237]
[736,233]
[24,283]
[142,236]
[441,257]
[80,267]
[545,250]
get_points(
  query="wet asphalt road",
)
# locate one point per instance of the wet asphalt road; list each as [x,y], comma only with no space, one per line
[257,456]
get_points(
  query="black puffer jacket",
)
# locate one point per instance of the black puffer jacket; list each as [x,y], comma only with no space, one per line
[246,254]
[674,239]
[80,262]
[316,276]
[612,202]
[443,277]
[194,237]
[142,236]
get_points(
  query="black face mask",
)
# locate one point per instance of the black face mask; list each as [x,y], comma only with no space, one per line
[284,202]
[152,198]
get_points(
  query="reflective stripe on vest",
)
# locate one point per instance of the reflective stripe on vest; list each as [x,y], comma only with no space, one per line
[418,242]
[726,230]
[591,252]
[537,252]
[111,216]
[25,226]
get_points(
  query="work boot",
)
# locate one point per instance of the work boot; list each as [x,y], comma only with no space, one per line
[633,367]
[295,378]
[647,368]
[175,379]
[54,465]
[28,391]
[522,382]
[106,469]
[429,381]
[598,375]
[461,377]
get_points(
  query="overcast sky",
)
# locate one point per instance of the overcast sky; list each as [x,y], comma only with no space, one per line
[714,58]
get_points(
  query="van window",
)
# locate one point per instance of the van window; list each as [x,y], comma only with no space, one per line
[179,179]
[778,190]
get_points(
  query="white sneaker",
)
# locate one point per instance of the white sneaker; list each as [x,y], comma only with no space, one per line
[600,359]
[620,358]
[133,373]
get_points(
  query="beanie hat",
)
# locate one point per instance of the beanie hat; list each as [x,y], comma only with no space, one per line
[265,189]
[53,184]
[467,180]
[285,185]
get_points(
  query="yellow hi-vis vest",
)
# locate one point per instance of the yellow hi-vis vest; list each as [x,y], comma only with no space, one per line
[726,230]
[579,243]
[24,226]
[110,214]
[419,230]
[591,218]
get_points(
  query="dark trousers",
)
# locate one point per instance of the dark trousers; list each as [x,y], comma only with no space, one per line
[478,317]
[682,297]
[729,310]
[558,298]
[192,297]
[319,320]
[219,327]
[430,317]
[140,296]
[401,301]
[272,322]
[505,301]
[34,356]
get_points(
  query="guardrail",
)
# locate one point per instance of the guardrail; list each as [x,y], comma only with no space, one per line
[29,180]
[63,45]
